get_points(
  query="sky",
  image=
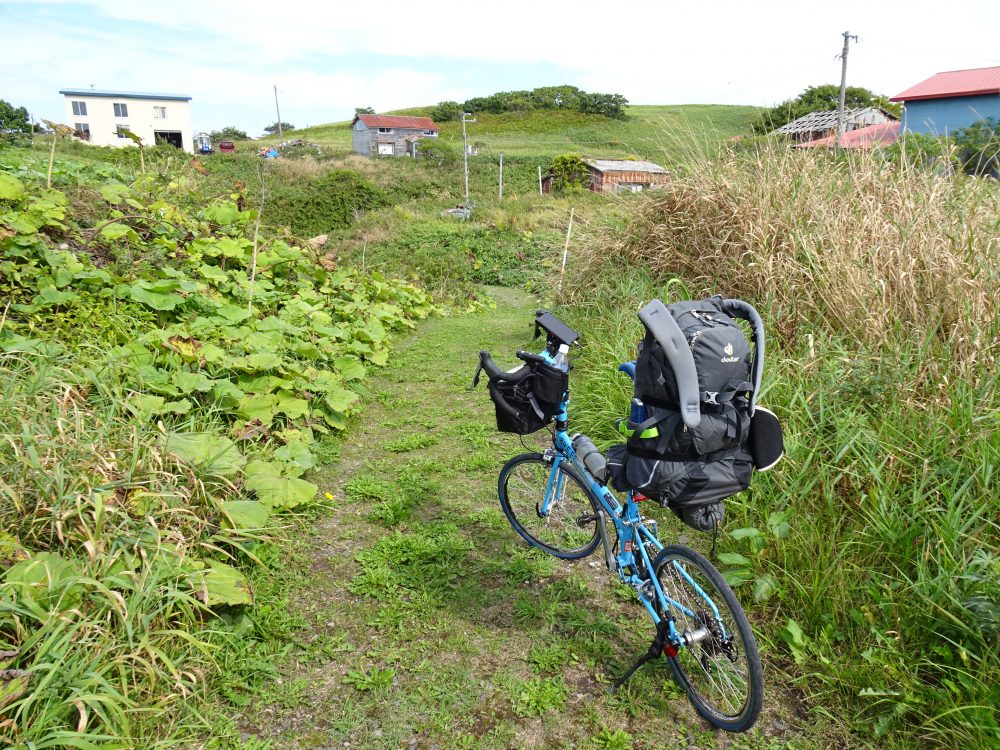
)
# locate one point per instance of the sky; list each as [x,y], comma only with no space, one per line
[326,58]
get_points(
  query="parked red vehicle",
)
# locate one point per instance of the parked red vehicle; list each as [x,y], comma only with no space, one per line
[227,147]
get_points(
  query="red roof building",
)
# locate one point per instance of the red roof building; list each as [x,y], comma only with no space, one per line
[974,82]
[390,135]
[951,100]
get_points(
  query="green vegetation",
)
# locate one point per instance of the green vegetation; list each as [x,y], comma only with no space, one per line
[168,376]
[872,549]
[192,552]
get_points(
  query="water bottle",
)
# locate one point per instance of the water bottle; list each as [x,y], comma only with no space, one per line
[637,413]
[592,458]
[561,360]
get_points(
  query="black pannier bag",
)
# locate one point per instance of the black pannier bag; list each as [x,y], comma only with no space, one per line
[696,380]
[527,398]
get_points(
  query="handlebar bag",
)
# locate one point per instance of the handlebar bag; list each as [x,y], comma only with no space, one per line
[528,405]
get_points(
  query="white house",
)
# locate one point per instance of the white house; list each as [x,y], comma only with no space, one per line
[100,116]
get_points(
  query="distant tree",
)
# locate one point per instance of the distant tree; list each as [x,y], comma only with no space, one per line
[364,111]
[229,133]
[14,123]
[819,99]
[609,105]
[447,112]
[978,147]
[557,97]
[273,127]
[569,173]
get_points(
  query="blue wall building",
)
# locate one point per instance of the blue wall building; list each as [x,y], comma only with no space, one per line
[951,100]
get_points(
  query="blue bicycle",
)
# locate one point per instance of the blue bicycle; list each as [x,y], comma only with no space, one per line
[557,504]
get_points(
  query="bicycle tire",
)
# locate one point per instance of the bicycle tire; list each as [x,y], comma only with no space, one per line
[693,666]
[563,532]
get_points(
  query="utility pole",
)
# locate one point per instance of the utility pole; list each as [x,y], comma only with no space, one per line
[540,180]
[501,176]
[465,154]
[281,135]
[843,90]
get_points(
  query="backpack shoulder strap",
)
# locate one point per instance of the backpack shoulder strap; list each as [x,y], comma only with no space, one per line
[661,324]
[740,309]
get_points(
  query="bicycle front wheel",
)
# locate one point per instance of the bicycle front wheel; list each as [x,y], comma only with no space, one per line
[551,508]
[719,668]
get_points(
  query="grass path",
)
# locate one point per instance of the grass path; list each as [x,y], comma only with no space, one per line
[426,623]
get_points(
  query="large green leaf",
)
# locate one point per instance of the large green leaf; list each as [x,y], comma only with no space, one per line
[147,406]
[189,382]
[47,579]
[116,231]
[223,584]
[340,399]
[207,452]
[275,487]
[50,296]
[114,192]
[260,406]
[11,188]
[291,406]
[156,300]
[349,368]
[246,514]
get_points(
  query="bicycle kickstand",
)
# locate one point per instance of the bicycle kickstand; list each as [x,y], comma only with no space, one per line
[654,651]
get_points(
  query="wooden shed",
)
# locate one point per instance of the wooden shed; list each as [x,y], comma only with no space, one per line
[390,135]
[618,175]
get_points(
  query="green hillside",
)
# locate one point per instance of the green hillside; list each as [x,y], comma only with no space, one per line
[658,132]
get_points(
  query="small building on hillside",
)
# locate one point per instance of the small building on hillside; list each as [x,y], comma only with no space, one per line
[873,136]
[390,135]
[820,124]
[951,100]
[100,116]
[618,176]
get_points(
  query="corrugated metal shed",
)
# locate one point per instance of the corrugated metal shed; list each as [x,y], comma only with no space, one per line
[972,82]
[827,120]
[883,134]
[124,94]
[624,165]
[397,121]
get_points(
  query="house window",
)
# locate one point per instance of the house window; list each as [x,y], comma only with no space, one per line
[430,132]
[160,113]
[121,110]
[120,130]
[80,109]
[386,149]
[385,130]
[82,130]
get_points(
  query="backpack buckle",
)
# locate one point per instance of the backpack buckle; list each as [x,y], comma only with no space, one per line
[710,397]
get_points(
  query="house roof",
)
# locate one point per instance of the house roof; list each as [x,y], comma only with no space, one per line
[124,94]
[825,120]
[972,82]
[624,165]
[396,121]
[882,134]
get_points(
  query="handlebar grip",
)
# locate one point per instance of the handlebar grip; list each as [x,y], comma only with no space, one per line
[529,357]
[495,373]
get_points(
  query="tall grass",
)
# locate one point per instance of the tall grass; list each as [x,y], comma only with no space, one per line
[101,610]
[880,533]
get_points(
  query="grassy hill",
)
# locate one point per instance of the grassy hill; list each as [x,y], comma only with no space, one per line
[658,132]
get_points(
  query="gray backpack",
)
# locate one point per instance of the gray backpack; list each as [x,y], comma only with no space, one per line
[690,441]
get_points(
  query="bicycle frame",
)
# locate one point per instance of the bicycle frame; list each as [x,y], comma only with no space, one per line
[633,532]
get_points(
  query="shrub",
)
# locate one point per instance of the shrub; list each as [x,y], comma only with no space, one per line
[331,202]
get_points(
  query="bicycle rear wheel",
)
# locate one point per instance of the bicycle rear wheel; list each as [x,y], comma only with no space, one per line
[567,526]
[721,672]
